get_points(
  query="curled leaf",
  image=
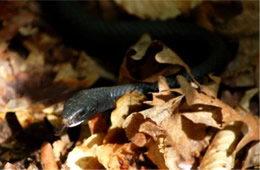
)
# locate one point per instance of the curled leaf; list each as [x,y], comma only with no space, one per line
[221,152]
[252,157]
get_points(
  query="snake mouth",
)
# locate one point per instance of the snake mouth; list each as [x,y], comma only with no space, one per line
[66,124]
[71,122]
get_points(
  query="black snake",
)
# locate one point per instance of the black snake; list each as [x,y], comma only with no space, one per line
[119,35]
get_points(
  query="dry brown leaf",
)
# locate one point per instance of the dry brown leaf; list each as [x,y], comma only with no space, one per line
[152,54]
[32,166]
[141,46]
[172,159]
[53,113]
[165,157]
[86,72]
[41,42]
[89,69]
[245,101]
[60,146]
[228,114]
[157,114]
[205,12]
[237,19]
[139,50]
[84,156]
[253,157]
[151,129]
[126,104]
[149,120]
[47,157]
[9,166]
[221,152]
[18,104]
[207,118]
[34,62]
[186,137]
[242,71]
[97,124]
[116,156]
[65,72]
[244,23]
[253,130]
[25,112]
[167,56]
[211,89]
[139,139]
[155,9]
[14,23]
[155,154]
[25,118]
[163,95]
[162,123]
[6,75]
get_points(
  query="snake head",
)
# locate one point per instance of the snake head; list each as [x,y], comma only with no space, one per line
[76,110]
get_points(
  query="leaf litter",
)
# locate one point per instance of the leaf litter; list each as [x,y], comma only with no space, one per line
[181,128]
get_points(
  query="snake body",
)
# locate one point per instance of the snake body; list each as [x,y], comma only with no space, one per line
[113,36]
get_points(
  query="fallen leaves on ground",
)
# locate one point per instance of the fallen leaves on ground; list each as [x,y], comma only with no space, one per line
[176,133]
[182,128]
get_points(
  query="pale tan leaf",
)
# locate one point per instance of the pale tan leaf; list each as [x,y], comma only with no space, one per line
[151,129]
[65,71]
[157,114]
[32,166]
[47,157]
[34,61]
[253,130]
[60,146]
[162,84]
[89,69]
[211,89]
[172,158]
[221,152]
[139,139]
[25,118]
[126,104]
[155,154]
[253,157]
[163,95]
[204,117]
[141,46]
[167,56]
[154,9]
[187,138]
[84,156]
[116,156]
[245,101]
[123,107]
[228,114]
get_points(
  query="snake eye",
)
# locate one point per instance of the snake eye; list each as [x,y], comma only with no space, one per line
[81,112]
